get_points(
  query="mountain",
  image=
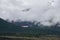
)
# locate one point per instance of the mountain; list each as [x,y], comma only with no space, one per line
[7,28]
[39,30]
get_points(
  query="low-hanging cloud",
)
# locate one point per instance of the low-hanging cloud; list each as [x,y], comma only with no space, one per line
[40,10]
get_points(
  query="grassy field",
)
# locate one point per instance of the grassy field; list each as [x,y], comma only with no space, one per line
[30,38]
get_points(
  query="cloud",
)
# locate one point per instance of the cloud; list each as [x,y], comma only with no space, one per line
[40,10]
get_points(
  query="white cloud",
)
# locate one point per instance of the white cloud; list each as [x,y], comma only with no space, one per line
[40,10]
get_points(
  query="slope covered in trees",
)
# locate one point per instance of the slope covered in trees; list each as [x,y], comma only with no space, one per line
[15,28]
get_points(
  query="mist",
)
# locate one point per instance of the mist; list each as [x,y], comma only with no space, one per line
[45,11]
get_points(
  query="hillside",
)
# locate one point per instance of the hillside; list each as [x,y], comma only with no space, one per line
[7,27]
[11,29]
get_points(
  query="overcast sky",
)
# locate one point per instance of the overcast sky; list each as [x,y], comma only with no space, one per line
[39,10]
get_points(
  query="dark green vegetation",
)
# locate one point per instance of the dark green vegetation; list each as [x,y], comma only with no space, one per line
[15,29]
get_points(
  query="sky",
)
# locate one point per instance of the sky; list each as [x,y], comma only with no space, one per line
[45,11]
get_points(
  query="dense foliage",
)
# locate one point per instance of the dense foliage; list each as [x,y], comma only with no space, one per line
[15,28]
